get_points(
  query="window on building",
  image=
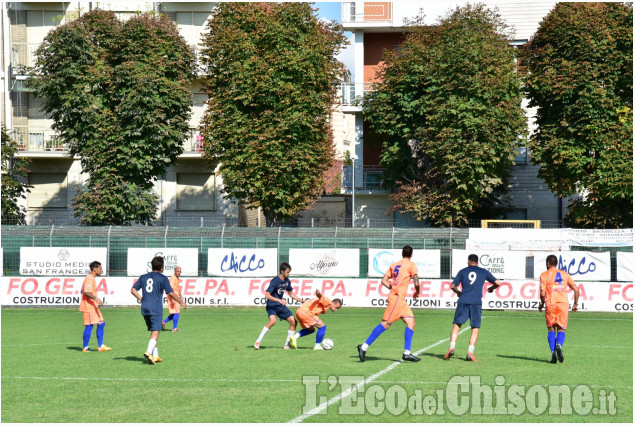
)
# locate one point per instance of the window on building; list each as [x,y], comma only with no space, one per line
[195,192]
[49,190]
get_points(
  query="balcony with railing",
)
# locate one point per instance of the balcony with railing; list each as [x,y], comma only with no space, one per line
[352,95]
[23,55]
[367,178]
[45,140]
[366,12]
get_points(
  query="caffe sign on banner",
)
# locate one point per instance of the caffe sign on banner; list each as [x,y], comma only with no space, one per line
[428,261]
[140,260]
[39,261]
[242,262]
[502,264]
[324,262]
[581,265]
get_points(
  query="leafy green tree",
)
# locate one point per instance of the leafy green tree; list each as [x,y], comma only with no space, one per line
[448,112]
[119,95]
[579,70]
[272,70]
[14,169]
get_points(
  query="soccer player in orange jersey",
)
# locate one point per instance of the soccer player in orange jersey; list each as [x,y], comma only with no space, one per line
[308,318]
[89,306]
[173,307]
[554,284]
[400,273]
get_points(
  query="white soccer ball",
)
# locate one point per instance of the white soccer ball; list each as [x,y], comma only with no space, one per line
[327,344]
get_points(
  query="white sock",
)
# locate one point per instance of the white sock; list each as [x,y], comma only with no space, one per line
[364,347]
[151,345]
[406,352]
[155,353]
[452,344]
[470,349]
[289,335]
[263,333]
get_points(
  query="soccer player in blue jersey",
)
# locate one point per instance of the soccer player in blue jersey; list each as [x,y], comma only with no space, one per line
[277,306]
[153,285]
[472,278]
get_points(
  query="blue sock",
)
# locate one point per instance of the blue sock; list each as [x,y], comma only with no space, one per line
[560,338]
[88,329]
[100,334]
[551,337]
[320,334]
[176,321]
[408,336]
[306,331]
[167,319]
[379,329]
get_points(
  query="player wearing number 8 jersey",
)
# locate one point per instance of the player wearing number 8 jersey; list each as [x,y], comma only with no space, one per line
[152,285]
[554,284]
[472,279]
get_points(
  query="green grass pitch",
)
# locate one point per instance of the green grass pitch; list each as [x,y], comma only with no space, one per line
[211,373]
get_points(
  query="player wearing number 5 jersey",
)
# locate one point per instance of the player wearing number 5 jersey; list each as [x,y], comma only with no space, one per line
[472,279]
[152,286]
[554,284]
[397,279]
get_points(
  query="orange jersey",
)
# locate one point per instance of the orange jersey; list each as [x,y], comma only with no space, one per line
[555,283]
[401,273]
[316,306]
[172,305]
[86,304]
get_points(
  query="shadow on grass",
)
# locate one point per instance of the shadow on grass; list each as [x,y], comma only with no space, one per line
[133,359]
[75,348]
[533,359]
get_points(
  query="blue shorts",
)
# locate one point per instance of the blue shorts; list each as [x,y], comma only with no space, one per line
[153,321]
[471,311]
[282,311]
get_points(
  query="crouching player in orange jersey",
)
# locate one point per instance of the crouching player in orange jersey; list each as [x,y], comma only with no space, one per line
[554,284]
[308,318]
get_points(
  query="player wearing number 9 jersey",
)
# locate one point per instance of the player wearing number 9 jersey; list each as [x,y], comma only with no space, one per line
[152,286]
[554,284]
[472,279]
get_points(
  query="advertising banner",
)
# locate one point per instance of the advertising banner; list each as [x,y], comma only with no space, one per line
[140,260]
[502,264]
[581,265]
[624,266]
[546,239]
[60,261]
[242,262]
[324,262]
[428,261]
[214,292]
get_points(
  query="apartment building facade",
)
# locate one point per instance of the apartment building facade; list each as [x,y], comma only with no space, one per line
[377,26]
[189,193]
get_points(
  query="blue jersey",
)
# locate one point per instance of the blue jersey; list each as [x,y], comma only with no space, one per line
[277,288]
[152,285]
[472,279]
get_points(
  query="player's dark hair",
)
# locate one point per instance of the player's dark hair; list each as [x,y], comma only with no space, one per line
[406,252]
[94,265]
[337,300]
[472,258]
[157,263]
[552,260]
[284,267]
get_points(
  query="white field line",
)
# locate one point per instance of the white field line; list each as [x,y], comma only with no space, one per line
[362,383]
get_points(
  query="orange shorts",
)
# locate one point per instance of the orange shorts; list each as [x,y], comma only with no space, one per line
[92,318]
[173,306]
[557,314]
[306,319]
[397,308]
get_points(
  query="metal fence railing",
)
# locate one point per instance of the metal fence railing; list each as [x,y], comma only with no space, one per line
[117,240]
